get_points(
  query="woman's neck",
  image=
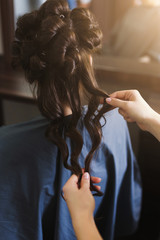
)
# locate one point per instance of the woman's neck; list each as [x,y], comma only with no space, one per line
[67,111]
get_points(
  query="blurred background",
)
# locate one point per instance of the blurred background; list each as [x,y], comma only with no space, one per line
[130,59]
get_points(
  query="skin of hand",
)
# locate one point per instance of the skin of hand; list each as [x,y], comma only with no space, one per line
[79,201]
[81,205]
[135,109]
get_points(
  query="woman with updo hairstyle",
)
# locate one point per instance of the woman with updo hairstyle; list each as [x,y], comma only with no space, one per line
[54,46]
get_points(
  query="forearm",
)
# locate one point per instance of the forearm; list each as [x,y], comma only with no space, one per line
[153,125]
[85,229]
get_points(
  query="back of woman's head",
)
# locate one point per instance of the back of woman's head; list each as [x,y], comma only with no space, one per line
[54,46]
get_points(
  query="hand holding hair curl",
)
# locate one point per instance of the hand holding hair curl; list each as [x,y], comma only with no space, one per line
[79,201]
[135,109]
[81,205]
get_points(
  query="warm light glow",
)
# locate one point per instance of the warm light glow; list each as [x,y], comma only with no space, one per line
[145,59]
[147,2]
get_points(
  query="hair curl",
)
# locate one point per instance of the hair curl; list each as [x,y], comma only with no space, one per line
[54,45]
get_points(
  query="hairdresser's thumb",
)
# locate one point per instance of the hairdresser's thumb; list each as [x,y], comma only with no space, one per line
[85,181]
[115,102]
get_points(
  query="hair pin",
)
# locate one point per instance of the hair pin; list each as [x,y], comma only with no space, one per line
[77,49]
[62,16]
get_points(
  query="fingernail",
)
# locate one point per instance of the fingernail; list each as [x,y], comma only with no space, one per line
[108,100]
[86,175]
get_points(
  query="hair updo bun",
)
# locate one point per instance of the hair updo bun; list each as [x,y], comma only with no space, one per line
[34,32]
[87,29]
[53,45]
[27,26]
[52,36]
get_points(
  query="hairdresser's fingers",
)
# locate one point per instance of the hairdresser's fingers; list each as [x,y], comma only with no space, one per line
[123,113]
[83,170]
[96,179]
[128,119]
[116,102]
[123,95]
[70,187]
[73,180]
[125,118]
[127,95]
[97,187]
[71,183]
[119,94]
[85,181]
[103,100]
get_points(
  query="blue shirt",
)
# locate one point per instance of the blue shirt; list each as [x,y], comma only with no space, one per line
[32,176]
[72,3]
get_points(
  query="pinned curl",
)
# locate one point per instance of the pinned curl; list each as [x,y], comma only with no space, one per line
[87,29]
[27,26]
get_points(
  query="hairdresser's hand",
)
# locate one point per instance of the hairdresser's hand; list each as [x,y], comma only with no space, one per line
[79,201]
[81,205]
[135,109]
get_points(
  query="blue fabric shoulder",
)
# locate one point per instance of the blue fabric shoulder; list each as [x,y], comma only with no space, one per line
[32,176]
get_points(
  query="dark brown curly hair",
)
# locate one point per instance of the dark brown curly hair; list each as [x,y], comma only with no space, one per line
[53,45]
